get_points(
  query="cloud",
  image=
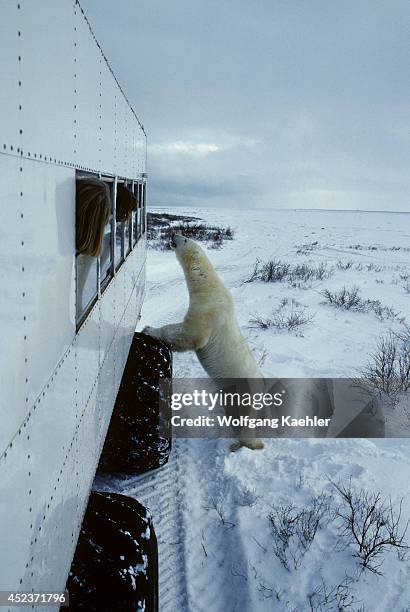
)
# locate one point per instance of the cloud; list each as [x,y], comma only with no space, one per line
[295,103]
[180,147]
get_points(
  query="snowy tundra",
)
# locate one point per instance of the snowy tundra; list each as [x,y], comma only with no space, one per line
[216,512]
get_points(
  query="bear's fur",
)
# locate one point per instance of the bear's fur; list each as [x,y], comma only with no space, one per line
[209,327]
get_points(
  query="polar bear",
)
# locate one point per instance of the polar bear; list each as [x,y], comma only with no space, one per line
[209,327]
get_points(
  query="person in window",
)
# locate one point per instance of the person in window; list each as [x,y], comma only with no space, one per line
[126,203]
[92,216]
[92,213]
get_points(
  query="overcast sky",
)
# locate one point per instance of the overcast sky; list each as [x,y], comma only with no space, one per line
[267,103]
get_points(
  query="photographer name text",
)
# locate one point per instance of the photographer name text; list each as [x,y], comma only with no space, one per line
[248,422]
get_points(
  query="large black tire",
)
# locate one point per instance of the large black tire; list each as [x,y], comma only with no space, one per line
[139,435]
[115,566]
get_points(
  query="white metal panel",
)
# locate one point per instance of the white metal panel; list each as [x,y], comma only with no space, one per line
[48,233]
[130,142]
[132,317]
[119,294]
[88,356]
[13,405]
[139,295]
[110,92]
[88,443]
[107,393]
[129,327]
[134,144]
[120,356]
[10,91]
[48,65]
[119,136]
[31,472]
[121,352]
[140,152]
[140,290]
[41,518]
[129,277]
[107,323]
[52,553]
[122,137]
[136,135]
[119,347]
[129,319]
[134,308]
[59,100]
[60,387]
[116,150]
[88,97]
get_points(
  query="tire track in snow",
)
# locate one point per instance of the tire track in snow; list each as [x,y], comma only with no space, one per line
[160,492]
[216,567]
[202,564]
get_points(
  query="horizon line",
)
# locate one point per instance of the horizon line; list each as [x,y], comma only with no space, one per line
[397,212]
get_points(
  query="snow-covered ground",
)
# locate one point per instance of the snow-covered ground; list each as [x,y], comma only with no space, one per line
[222,543]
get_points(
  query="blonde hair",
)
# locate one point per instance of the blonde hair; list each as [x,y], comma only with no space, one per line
[126,203]
[92,213]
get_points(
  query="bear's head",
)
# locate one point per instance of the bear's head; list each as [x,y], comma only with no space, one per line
[197,268]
